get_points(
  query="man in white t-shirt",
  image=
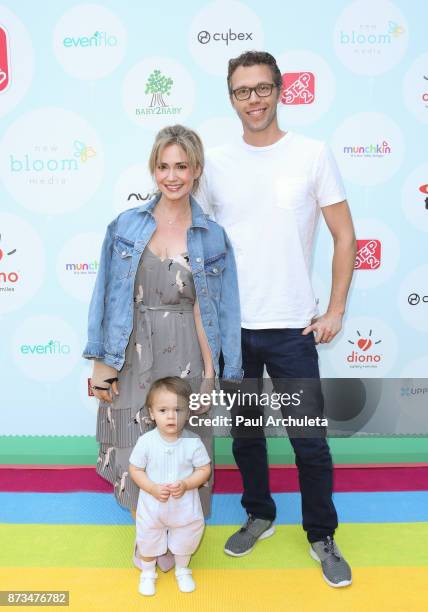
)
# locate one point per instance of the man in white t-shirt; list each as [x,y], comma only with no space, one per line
[267,189]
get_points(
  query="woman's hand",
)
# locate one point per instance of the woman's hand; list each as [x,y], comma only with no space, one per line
[207,387]
[102,377]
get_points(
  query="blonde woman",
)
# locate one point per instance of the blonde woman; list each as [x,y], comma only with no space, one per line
[165,303]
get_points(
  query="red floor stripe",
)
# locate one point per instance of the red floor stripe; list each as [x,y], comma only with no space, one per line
[410,478]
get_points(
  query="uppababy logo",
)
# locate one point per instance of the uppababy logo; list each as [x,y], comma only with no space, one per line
[204,37]
[364,354]
[4,61]
[97,40]
[53,347]
[298,88]
[158,86]
[413,391]
[371,150]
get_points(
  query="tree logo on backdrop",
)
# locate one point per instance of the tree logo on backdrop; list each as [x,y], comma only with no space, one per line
[158,86]
[298,88]
[364,354]
[4,61]
[368,255]
[8,278]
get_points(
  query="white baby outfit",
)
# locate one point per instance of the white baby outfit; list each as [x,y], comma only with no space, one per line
[177,524]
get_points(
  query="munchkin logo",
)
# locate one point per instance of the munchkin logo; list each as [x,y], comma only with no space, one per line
[371,150]
[97,40]
[53,347]
[362,355]
[82,268]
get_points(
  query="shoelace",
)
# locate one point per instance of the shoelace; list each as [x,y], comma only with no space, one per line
[245,527]
[330,548]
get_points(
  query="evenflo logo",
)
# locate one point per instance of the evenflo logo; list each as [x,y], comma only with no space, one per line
[53,347]
[97,40]
[368,255]
[365,353]
[4,61]
[298,88]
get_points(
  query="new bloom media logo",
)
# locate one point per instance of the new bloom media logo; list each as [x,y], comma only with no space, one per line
[4,61]
[298,88]
[364,353]
[371,150]
[158,86]
[46,165]
[53,347]
[368,255]
[371,38]
[97,40]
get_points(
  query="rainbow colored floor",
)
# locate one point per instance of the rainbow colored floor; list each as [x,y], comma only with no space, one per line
[61,529]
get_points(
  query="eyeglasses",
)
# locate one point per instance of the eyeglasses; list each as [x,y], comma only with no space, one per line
[263,90]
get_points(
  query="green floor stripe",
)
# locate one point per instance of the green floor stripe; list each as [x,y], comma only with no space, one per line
[365,545]
[82,450]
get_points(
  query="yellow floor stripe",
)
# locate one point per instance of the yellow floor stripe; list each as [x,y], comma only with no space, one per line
[299,590]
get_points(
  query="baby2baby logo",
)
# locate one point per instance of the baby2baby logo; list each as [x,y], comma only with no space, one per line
[365,352]
[158,86]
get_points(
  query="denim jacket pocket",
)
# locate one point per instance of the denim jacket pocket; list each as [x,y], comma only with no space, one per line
[121,257]
[214,266]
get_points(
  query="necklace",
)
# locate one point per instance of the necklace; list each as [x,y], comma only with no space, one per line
[183,217]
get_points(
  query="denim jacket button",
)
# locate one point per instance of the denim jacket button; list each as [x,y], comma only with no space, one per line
[215,270]
[124,253]
[198,259]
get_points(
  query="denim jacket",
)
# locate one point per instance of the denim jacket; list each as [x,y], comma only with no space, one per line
[213,268]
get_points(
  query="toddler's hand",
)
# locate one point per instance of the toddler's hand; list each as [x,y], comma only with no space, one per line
[177,489]
[160,492]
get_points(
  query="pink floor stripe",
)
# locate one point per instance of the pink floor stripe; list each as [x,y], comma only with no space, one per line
[410,478]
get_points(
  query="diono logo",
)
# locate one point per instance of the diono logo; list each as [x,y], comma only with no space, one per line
[362,356]
[8,278]
[98,39]
[53,347]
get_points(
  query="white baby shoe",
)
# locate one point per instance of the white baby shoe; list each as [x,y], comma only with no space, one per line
[147,582]
[184,578]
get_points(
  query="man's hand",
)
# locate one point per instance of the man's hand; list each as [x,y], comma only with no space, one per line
[160,492]
[177,489]
[325,327]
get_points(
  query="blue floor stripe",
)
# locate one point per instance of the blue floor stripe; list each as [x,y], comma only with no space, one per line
[102,508]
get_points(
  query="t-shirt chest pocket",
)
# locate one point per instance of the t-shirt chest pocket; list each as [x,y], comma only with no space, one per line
[121,257]
[291,192]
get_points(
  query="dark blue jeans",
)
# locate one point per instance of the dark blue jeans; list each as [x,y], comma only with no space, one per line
[286,354]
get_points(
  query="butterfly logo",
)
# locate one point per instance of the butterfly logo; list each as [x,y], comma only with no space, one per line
[395,29]
[82,151]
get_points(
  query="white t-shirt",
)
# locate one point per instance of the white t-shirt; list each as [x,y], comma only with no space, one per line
[166,462]
[268,200]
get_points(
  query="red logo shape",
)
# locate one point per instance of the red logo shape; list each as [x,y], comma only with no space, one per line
[4,61]
[368,254]
[298,88]
[364,344]
[424,189]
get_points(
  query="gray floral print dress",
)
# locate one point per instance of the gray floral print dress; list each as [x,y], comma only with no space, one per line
[163,342]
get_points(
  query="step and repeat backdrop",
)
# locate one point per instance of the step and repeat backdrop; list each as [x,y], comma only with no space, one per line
[84,87]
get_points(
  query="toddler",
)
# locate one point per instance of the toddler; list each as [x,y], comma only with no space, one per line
[169,464]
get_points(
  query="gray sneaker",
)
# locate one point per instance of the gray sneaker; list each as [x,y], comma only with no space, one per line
[335,569]
[243,541]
